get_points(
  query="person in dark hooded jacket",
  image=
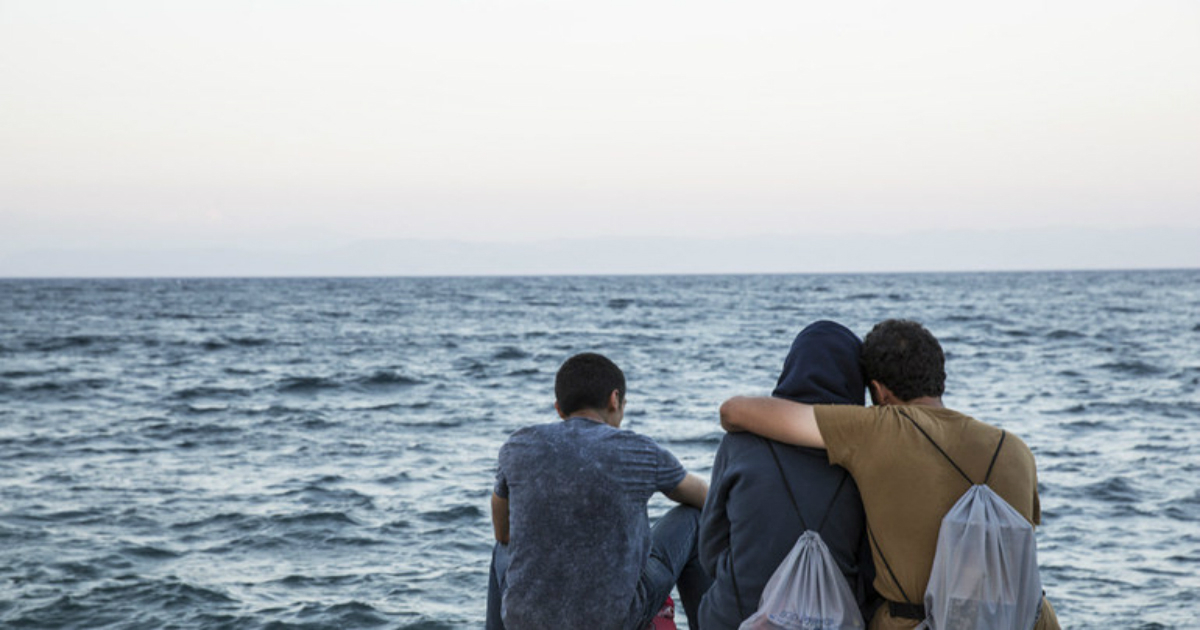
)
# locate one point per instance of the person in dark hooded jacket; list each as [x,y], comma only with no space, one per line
[749,524]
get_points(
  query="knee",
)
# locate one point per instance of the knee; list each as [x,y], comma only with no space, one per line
[686,514]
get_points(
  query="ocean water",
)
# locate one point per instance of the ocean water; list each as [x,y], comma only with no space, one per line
[318,453]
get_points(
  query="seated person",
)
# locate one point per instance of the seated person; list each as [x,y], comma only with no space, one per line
[749,522]
[574,543]
[906,483]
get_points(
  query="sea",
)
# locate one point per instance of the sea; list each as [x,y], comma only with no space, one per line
[320,452]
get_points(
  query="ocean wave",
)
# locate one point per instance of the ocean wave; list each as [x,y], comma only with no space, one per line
[352,614]
[224,520]
[277,411]
[172,315]
[201,410]
[342,497]
[208,391]
[69,342]
[354,541]
[271,532]
[316,581]
[510,352]
[171,431]
[1114,489]
[703,441]
[148,552]
[385,379]
[76,571]
[1132,368]
[88,516]
[236,371]
[1073,409]
[429,624]
[1089,425]
[323,519]
[470,366]
[1192,499]
[73,389]
[306,384]
[391,406]
[525,372]
[316,423]
[454,514]
[18,374]
[394,478]
[222,343]
[1184,513]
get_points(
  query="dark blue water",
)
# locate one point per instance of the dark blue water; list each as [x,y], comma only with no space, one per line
[318,453]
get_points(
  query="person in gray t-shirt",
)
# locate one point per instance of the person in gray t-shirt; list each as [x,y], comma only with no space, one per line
[574,544]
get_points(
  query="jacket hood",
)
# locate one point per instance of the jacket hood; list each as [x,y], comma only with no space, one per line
[823,368]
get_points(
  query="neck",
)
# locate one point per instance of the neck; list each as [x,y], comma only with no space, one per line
[593,415]
[926,401]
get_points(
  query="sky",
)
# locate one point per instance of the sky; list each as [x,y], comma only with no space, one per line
[291,124]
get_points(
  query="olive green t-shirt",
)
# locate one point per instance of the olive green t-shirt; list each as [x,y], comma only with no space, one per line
[907,486]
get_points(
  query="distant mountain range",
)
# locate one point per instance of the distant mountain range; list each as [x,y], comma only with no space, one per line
[1052,249]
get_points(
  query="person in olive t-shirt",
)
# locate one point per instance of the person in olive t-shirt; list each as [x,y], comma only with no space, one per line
[906,485]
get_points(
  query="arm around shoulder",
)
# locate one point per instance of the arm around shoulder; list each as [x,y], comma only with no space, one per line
[776,418]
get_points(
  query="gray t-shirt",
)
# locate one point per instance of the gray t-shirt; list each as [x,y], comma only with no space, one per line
[578,531]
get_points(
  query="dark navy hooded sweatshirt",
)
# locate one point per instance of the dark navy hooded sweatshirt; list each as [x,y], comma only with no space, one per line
[749,525]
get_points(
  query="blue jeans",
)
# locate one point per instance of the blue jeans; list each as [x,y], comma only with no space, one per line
[673,562]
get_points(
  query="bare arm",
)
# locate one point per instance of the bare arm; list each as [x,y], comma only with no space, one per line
[500,518]
[775,418]
[691,491]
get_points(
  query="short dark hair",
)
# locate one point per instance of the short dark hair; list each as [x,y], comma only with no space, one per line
[585,381]
[906,357]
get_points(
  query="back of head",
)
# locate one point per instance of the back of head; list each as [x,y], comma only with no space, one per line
[823,367]
[585,381]
[906,357]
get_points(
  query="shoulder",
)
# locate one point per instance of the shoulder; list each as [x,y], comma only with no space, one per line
[1017,448]
[846,413]
[841,420]
[527,437]
[734,444]
[1013,444]
[633,438]
[529,432]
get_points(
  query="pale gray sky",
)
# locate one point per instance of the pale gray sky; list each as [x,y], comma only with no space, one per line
[272,124]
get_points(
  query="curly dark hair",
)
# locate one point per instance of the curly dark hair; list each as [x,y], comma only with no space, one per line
[585,381]
[905,356]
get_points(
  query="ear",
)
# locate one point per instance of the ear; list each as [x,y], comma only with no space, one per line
[881,395]
[558,410]
[614,400]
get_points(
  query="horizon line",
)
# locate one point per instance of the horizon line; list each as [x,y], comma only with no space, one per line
[1081,270]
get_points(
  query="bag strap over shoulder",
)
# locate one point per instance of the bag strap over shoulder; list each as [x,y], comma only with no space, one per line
[792,495]
[939,449]
[909,609]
